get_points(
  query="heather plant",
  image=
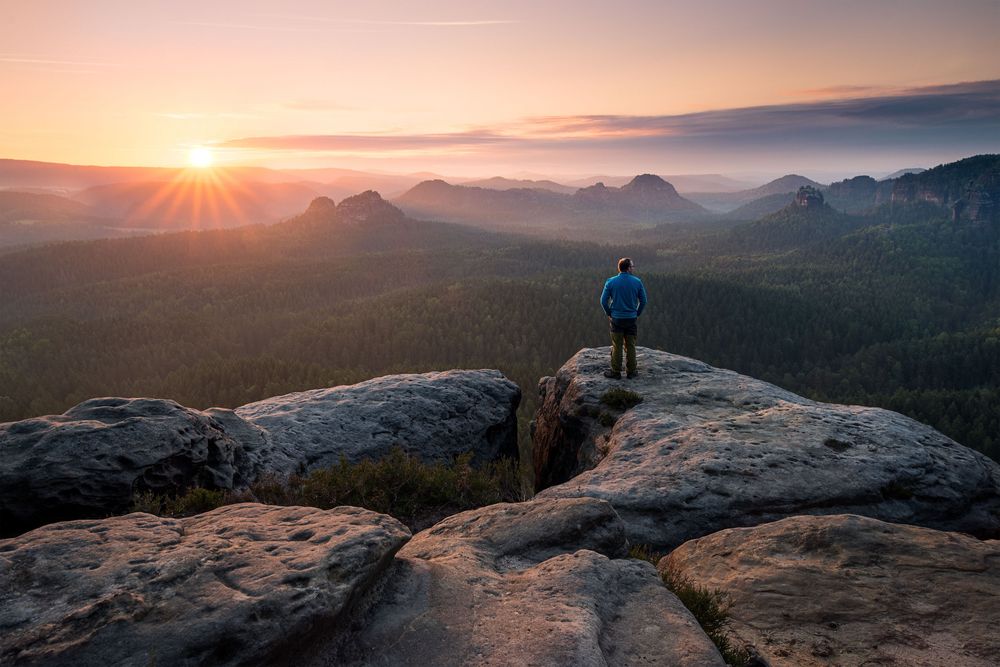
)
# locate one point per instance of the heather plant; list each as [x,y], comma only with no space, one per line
[399,484]
[710,607]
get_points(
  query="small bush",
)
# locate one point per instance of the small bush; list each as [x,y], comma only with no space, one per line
[195,501]
[621,399]
[399,485]
[198,500]
[644,552]
[606,419]
[711,609]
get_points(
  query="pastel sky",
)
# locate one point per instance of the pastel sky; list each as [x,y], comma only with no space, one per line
[486,88]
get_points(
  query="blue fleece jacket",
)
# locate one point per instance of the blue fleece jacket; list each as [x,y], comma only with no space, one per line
[623,297]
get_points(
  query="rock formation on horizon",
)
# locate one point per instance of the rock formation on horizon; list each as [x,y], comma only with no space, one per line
[361,209]
[809,198]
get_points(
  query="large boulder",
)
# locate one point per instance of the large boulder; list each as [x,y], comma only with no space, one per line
[433,416]
[535,583]
[90,461]
[708,449]
[244,584]
[850,590]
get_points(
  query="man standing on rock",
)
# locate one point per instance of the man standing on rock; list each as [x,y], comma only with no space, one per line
[623,300]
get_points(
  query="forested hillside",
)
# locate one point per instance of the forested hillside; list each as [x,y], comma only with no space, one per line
[898,309]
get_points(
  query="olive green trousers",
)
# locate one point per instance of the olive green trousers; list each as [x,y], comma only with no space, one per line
[617,340]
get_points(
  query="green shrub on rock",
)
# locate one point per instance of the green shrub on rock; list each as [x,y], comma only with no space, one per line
[621,399]
[710,607]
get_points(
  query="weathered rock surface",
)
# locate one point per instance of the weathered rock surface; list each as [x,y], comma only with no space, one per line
[240,585]
[89,461]
[709,449]
[850,590]
[525,584]
[434,416]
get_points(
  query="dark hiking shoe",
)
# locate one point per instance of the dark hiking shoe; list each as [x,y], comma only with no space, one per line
[612,375]
[631,375]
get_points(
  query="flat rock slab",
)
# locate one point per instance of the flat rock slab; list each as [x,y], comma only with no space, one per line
[235,586]
[708,449]
[850,590]
[90,461]
[434,416]
[536,583]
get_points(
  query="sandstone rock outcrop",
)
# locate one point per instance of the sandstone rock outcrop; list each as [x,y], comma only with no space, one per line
[91,460]
[243,584]
[850,590]
[709,449]
[434,416]
[525,584]
[88,461]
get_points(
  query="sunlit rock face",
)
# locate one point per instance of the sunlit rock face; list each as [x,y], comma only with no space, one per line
[708,449]
[90,461]
[244,584]
[537,583]
[850,590]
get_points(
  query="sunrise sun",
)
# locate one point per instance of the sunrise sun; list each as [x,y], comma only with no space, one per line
[200,157]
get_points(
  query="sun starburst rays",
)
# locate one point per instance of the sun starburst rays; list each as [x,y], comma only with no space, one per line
[198,198]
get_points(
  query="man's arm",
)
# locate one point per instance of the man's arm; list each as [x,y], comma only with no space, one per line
[606,298]
[642,299]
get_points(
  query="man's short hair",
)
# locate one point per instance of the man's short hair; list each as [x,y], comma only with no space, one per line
[624,264]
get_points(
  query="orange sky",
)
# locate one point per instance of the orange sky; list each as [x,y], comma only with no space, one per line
[140,83]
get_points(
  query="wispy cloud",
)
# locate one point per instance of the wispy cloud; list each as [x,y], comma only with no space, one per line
[965,112]
[317,105]
[367,142]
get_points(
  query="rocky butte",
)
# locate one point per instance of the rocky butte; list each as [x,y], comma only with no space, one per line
[840,535]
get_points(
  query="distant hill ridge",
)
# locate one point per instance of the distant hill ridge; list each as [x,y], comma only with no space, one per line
[643,200]
[726,202]
[501,183]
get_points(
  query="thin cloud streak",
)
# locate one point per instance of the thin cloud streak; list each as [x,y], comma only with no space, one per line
[433,23]
[196,115]
[316,105]
[447,24]
[843,91]
[47,61]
